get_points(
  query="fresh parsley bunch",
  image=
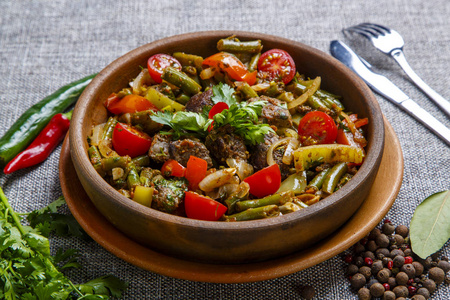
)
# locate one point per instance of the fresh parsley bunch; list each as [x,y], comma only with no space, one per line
[243,117]
[27,269]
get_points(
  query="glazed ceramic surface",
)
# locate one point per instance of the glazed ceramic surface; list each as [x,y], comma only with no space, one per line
[220,242]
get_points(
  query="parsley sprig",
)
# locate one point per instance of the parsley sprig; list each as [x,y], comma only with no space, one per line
[243,117]
[27,269]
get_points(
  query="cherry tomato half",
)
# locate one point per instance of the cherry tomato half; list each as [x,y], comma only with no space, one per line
[195,171]
[203,208]
[158,62]
[265,182]
[317,127]
[173,168]
[231,65]
[127,140]
[277,64]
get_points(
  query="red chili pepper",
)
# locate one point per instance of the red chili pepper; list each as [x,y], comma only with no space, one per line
[43,145]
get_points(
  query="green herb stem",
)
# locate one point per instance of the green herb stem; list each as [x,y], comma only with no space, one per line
[10,210]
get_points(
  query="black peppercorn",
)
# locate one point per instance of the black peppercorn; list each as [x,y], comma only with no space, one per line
[369,254]
[383,275]
[409,270]
[401,278]
[399,240]
[388,228]
[364,294]
[427,262]
[424,292]
[366,271]
[396,252]
[399,261]
[392,282]
[359,261]
[377,266]
[359,248]
[401,291]
[358,281]
[418,267]
[372,246]
[382,252]
[407,252]
[402,230]
[389,295]
[382,240]
[430,285]
[444,265]
[307,292]
[436,274]
[352,270]
[377,290]
[373,234]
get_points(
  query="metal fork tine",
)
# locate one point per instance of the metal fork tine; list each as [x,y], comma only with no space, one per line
[378,28]
[358,30]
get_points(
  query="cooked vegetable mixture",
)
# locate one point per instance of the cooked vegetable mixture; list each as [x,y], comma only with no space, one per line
[238,135]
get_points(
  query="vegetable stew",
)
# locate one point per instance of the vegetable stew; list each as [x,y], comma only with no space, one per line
[239,135]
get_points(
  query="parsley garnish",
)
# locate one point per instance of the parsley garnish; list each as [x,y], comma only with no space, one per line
[223,93]
[28,270]
[243,117]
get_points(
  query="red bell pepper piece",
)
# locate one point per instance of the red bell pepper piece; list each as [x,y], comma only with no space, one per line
[43,145]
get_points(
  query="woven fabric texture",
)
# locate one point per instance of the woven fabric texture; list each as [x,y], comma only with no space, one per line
[46,44]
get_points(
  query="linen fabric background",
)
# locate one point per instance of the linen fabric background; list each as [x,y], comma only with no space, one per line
[46,44]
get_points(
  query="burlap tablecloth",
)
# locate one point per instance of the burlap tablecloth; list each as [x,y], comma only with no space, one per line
[46,44]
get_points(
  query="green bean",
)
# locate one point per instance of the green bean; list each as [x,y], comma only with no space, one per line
[189,59]
[275,89]
[254,213]
[317,182]
[247,91]
[330,100]
[316,103]
[253,63]
[109,163]
[333,177]
[96,160]
[233,45]
[296,88]
[141,161]
[109,128]
[142,119]
[181,80]
[286,97]
[275,199]
[183,98]
[133,179]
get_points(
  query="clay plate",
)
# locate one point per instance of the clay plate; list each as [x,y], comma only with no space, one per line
[373,209]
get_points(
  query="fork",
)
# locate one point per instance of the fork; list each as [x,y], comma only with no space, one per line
[391,42]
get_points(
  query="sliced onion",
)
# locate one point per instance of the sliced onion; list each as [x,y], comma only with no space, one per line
[292,145]
[270,160]
[243,168]
[260,87]
[143,78]
[207,73]
[97,132]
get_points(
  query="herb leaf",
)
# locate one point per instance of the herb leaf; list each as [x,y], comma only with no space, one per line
[28,271]
[430,224]
[223,93]
[183,123]
[243,117]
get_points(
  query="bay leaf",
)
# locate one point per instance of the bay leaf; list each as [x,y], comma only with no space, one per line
[430,224]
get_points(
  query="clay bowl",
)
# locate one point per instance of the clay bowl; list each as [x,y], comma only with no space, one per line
[220,242]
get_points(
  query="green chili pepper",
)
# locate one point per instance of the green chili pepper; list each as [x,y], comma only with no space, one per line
[33,120]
